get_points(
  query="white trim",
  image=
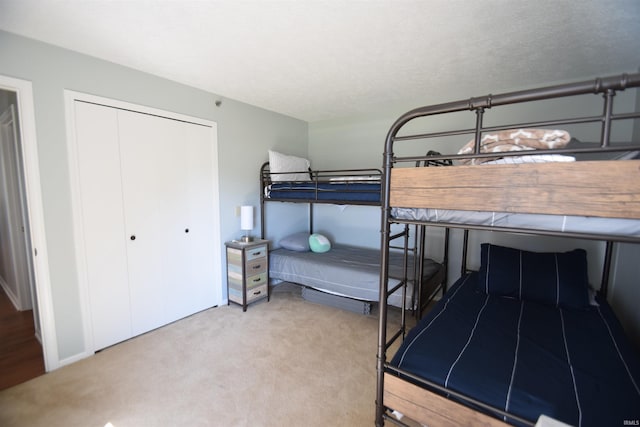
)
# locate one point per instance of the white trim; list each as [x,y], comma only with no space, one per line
[31,167]
[9,293]
[78,233]
[217,251]
[74,177]
[108,102]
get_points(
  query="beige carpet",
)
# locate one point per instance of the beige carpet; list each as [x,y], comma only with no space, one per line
[286,362]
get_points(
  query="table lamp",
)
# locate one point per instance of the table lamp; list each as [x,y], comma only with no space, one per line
[246,222]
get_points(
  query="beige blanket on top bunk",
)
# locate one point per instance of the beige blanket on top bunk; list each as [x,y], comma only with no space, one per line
[516,140]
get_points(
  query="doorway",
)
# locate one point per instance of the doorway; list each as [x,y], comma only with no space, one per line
[21,356]
[26,326]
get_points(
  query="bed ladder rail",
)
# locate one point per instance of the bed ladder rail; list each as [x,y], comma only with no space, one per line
[416,251]
[404,280]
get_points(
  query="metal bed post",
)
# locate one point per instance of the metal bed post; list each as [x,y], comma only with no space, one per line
[445,260]
[478,131]
[607,113]
[465,245]
[479,115]
[385,229]
[263,232]
[419,271]
[606,269]
[405,267]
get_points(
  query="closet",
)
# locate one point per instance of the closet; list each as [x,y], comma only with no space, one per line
[147,202]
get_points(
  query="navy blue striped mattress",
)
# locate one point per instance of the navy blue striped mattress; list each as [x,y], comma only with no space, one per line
[338,191]
[527,358]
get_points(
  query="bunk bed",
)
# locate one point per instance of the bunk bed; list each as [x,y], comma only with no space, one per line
[521,339]
[346,276]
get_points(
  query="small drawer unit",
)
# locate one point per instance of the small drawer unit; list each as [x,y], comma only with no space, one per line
[247,272]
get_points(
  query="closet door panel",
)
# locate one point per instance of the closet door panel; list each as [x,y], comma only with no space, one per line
[147,164]
[194,289]
[201,211]
[103,223]
[178,231]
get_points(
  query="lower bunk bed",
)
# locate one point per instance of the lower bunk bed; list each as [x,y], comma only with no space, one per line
[354,272]
[504,341]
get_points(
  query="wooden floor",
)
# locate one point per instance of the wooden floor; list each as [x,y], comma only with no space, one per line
[20,352]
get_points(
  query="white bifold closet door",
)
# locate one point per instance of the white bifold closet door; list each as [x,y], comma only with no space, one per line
[147,208]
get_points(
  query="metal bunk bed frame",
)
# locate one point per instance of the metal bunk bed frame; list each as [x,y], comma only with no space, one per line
[414,249]
[605,86]
[316,178]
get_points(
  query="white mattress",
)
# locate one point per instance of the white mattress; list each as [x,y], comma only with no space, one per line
[556,223]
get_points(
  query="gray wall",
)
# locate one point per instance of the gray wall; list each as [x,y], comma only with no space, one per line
[625,292]
[636,127]
[6,99]
[245,133]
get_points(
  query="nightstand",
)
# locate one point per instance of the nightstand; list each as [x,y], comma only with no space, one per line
[247,271]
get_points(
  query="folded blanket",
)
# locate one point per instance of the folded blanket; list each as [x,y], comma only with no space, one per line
[516,140]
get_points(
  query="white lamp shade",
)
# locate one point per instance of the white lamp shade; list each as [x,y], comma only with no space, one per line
[246,218]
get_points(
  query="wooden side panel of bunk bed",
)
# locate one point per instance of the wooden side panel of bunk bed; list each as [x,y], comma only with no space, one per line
[589,188]
[428,408]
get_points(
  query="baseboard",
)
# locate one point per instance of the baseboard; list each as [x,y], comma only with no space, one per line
[73,359]
[12,297]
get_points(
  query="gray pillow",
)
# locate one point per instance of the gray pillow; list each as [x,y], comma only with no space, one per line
[298,242]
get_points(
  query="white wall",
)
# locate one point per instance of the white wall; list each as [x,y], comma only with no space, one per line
[245,133]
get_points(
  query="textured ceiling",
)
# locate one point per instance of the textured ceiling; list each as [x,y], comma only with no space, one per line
[318,60]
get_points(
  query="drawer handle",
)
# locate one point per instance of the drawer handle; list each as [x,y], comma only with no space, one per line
[257,267]
[257,292]
[256,280]
[256,253]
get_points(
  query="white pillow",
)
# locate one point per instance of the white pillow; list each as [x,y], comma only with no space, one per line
[534,158]
[279,162]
